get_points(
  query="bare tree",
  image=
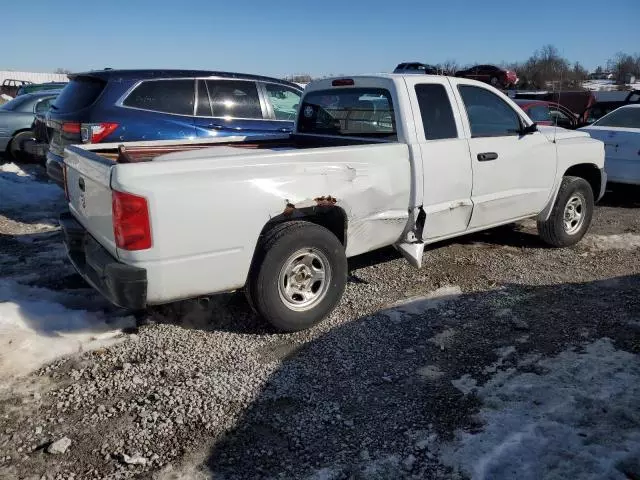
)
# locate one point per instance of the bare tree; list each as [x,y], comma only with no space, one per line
[62,71]
[449,67]
[623,65]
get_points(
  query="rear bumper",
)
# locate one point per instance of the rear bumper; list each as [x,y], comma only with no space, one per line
[123,285]
[54,168]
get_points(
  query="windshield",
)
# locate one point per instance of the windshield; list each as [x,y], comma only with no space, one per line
[355,112]
[628,117]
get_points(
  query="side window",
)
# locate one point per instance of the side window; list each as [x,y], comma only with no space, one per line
[203,108]
[436,112]
[489,115]
[284,101]
[44,105]
[168,96]
[539,113]
[234,98]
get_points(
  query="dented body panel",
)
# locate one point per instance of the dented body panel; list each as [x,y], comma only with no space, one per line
[208,232]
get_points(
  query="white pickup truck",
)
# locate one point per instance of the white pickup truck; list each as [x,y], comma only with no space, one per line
[403,160]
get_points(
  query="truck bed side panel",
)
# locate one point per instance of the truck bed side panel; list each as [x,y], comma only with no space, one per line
[207,213]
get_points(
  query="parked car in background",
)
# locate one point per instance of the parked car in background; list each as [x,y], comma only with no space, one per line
[496,76]
[578,101]
[37,87]
[600,108]
[549,113]
[415,67]
[620,132]
[16,121]
[10,86]
[127,105]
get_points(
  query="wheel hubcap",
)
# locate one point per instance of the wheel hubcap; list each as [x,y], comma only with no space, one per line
[573,214]
[304,279]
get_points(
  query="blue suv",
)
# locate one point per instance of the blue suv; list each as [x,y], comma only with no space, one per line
[130,105]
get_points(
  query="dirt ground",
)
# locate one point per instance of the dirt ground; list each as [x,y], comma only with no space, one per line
[500,359]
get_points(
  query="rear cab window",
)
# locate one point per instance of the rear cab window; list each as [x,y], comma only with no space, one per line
[349,112]
[81,92]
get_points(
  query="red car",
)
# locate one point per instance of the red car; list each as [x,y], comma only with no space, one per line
[549,113]
[496,76]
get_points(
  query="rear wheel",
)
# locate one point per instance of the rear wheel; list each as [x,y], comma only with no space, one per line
[16,149]
[299,275]
[571,215]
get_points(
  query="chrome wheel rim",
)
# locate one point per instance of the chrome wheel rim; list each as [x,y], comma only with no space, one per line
[304,279]
[574,214]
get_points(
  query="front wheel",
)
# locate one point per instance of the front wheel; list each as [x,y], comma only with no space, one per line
[571,215]
[298,276]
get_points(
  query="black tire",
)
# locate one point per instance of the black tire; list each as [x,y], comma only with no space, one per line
[15,146]
[553,230]
[275,253]
[495,82]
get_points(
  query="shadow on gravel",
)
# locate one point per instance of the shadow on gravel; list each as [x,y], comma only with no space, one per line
[621,196]
[375,397]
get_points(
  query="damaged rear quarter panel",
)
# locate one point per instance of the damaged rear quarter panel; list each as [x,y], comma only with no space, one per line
[207,213]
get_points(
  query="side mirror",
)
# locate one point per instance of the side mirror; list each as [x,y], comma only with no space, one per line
[529,129]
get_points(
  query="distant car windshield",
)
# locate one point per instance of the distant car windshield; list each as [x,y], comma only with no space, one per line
[623,117]
[15,104]
[79,93]
[355,112]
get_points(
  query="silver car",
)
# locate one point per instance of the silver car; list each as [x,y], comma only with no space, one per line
[16,120]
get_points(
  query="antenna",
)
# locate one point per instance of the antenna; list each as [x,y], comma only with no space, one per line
[555,123]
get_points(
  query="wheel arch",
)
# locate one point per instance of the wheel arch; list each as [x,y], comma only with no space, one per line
[330,216]
[587,171]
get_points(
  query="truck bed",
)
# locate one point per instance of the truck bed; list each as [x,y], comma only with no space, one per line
[136,152]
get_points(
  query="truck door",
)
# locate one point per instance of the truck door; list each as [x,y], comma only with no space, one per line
[513,173]
[445,155]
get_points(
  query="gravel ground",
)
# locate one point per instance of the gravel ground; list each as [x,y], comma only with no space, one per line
[383,389]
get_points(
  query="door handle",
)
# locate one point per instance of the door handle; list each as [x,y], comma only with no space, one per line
[286,130]
[487,156]
[213,125]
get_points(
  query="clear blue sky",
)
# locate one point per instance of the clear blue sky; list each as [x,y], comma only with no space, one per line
[280,37]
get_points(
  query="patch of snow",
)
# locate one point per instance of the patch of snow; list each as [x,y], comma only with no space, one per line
[35,329]
[432,300]
[466,384]
[20,188]
[623,241]
[579,420]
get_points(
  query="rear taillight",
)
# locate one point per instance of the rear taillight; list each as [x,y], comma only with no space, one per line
[64,179]
[71,127]
[96,132]
[130,221]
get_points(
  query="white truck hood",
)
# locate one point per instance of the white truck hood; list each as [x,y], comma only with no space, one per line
[559,133]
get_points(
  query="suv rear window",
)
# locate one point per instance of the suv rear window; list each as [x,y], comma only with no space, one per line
[80,93]
[355,112]
[167,96]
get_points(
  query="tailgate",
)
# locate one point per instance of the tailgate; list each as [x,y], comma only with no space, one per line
[89,185]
